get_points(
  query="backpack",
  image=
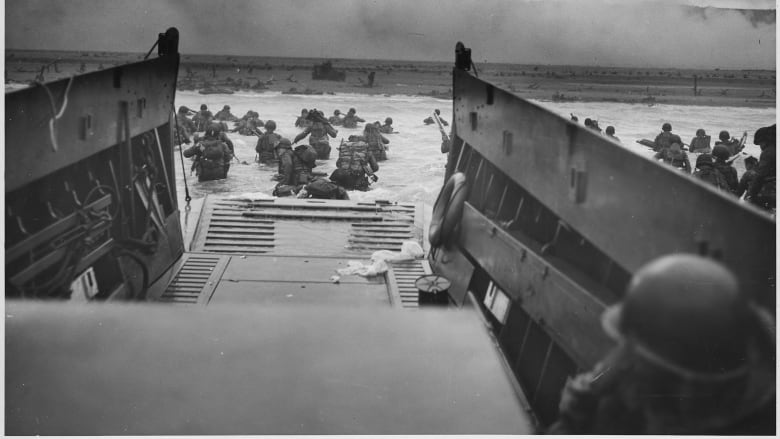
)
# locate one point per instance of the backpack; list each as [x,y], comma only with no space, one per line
[352,156]
[713,177]
[322,188]
[213,150]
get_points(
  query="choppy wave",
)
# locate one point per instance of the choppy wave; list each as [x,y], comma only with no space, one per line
[415,169]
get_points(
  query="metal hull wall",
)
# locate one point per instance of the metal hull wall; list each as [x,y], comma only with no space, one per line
[630,207]
[92,120]
[558,218]
[90,190]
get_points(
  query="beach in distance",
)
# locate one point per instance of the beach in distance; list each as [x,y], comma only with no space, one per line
[225,73]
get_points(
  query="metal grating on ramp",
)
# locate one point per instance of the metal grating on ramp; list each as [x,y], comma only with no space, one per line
[241,226]
[225,230]
[195,280]
[386,235]
[400,279]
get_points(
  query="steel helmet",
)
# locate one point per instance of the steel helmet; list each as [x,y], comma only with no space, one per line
[284,143]
[703,159]
[270,125]
[203,107]
[700,132]
[213,129]
[336,112]
[352,110]
[226,107]
[666,127]
[610,130]
[684,313]
[724,135]
[389,120]
[721,152]
[765,136]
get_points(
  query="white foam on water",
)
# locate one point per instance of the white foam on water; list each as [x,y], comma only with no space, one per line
[415,168]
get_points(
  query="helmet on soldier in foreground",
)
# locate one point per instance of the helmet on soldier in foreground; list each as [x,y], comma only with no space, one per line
[389,120]
[703,159]
[213,129]
[284,143]
[724,135]
[683,313]
[721,152]
[765,136]
[666,127]
[270,125]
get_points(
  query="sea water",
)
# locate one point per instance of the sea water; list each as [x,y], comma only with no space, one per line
[414,171]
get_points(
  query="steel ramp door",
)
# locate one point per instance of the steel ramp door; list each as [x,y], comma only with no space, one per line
[304,227]
[287,251]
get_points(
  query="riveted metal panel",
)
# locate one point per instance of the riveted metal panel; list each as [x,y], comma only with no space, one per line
[92,116]
[553,294]
[627,205]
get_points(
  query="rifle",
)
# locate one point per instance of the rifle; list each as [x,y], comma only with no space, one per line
[444,135]
[315,116]
[734,157]
[741,144]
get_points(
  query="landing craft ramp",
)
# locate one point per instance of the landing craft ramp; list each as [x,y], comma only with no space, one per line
[271,251]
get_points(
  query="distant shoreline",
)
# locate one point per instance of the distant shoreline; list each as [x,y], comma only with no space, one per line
[214,74]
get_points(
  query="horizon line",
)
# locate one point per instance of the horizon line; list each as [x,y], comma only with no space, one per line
[400,60]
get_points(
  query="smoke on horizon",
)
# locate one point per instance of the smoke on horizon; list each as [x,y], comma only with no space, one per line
[664,34]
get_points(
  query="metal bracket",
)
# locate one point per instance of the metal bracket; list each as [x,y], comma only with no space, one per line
[85,130]
[507,144]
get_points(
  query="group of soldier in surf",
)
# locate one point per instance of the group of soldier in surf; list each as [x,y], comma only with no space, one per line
[358,157]
[356,165]
[714,163]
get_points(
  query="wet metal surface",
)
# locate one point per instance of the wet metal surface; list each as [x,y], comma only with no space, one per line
[303,227]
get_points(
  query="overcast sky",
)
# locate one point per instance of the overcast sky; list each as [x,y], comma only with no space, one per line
[663,33]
